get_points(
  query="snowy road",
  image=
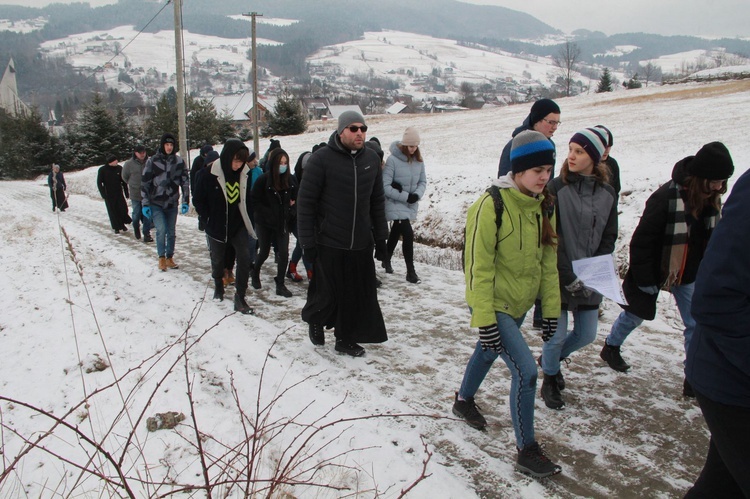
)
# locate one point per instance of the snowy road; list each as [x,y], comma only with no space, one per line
[619,436]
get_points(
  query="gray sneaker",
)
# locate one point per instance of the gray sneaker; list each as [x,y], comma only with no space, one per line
[469,412]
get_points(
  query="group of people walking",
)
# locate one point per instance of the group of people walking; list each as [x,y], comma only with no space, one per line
[522,237]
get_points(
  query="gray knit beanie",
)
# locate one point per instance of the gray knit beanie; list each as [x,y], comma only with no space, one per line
[347,118]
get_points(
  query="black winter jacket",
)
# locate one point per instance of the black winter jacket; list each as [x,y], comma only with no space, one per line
[504,167]
[341,203]
[271,208]
[648,244]
[110,183]
[210,196]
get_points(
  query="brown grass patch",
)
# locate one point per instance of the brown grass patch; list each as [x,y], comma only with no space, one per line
[701,92]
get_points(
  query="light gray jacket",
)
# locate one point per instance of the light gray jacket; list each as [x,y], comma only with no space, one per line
[586,227]
[132,170]
[412,178]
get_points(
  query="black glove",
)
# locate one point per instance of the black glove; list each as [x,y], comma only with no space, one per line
[397,186]
[549,327]
[489,337]
[381,250]
[413,198]
[310,253]
[577,289]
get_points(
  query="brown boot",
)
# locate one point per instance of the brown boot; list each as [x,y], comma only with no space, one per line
[162,264]
[171,263]
[228,277]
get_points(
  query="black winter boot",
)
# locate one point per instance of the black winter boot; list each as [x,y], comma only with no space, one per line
[387,266]
[240,305]
[218,290]
[469,412]
[316,333]
[611,355]
[255,277]
[551,392]
[532,460]
[282,290]
[560,378]
[411,276]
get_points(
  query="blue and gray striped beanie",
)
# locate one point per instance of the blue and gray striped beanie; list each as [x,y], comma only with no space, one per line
[530,149]
[593,142]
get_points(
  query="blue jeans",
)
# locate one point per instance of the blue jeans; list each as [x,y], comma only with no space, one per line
[523,375]
[138,218]
[165,220]
[297,251]
[565,342]
[627,321]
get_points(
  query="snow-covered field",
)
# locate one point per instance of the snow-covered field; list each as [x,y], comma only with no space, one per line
[147,50]
[386,51]
[389,54]
[74,292]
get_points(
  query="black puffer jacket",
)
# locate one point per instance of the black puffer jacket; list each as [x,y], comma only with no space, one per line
[210,196]
[341,202]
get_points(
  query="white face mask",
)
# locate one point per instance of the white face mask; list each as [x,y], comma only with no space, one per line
[282,169]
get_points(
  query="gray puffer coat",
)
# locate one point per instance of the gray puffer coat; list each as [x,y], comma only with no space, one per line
[411,177]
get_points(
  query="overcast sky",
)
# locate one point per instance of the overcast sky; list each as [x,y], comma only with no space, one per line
[666,17]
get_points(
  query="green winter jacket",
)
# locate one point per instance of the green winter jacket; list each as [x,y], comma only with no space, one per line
[507,268]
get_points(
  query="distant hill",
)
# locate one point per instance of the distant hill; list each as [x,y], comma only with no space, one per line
[324,23]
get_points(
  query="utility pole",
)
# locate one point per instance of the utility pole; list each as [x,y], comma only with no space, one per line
[256,138]
[182,128]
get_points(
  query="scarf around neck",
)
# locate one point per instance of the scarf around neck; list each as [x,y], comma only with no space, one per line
[676,237]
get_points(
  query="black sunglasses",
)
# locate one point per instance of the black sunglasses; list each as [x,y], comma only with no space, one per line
[354,128]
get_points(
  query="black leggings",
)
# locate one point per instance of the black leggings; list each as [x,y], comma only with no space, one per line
[725,472]
[402,228]
[266,236]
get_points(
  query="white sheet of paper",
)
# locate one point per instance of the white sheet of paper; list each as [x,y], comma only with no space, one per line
[599,274]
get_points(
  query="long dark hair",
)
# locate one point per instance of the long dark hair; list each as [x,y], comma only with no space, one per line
[696,190]
[279,181]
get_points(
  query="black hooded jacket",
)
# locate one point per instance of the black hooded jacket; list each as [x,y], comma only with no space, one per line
[221,218]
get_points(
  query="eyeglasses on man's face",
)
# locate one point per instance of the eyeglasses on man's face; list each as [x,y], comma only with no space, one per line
[355,128]
[554,123]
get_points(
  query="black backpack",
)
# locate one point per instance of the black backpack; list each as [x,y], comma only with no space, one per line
[497,200]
